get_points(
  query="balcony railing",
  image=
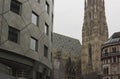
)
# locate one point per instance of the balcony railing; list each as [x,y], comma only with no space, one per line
[117,53]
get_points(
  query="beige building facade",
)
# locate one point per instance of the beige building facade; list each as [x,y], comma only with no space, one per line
[110,53]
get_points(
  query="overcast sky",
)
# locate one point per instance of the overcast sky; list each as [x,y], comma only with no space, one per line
[68,17]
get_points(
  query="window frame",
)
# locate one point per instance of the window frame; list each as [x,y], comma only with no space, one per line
[46,51]
[47,7]
[52,18]
[46,29]
[14,5]
[36,44]
[36,18]
[14,31]
[114,49]
[51,36]
[106,51]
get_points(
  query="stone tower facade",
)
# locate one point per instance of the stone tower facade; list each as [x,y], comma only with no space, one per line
[94,33]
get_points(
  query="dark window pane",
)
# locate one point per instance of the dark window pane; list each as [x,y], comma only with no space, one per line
[15,6]
[13,34]
[38,75]
[51,37]
[90,51]
[45,51]
[114,49]
[106,52]
[52,18]
[114,59]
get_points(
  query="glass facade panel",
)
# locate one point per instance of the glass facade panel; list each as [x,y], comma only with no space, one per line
[47,7]
[35,18]
[46,29]
[33,44]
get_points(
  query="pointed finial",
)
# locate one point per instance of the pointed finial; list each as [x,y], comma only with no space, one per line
[85,4]
[104,4]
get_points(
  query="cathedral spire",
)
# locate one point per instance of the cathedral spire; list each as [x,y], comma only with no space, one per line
[85,9]
[94,13]
[95,33]
[85,4]
[103,5]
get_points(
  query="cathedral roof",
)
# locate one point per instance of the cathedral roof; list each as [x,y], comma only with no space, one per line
[66,45]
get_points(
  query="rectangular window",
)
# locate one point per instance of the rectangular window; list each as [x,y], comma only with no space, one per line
[106,70]
[38,75]
[13,34]
[51,56]
[108,60]
[35,18]
[51,37]
[52,18]
[46,29]
[114,59]
[15,6]
[106,52]
[45,51]
[114,49]
[47,7]
[33,44]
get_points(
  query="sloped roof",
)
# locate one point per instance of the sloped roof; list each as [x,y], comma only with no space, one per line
[114,38]
[66,44]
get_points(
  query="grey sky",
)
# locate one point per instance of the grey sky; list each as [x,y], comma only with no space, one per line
[68,19]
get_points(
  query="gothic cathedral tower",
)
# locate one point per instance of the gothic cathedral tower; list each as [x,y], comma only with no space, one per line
[94,34]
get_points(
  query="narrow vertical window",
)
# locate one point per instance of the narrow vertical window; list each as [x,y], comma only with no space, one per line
[90,51]
[15,6]
[45,51]
[106,52]
[52,18]
[114,49]
[47,7]
[33,44]
[13,34]
[51,37]
[107,70]
[51,56]
[114,59]
[35,18]
[46,29]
